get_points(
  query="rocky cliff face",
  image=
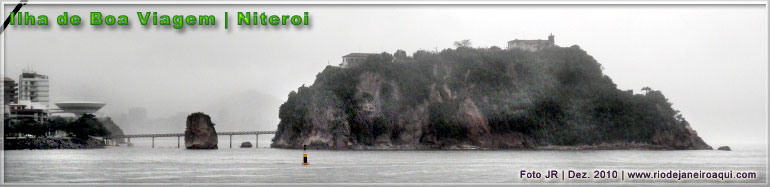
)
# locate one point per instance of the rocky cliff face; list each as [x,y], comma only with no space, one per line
[114,129]
[200,132]
[478,99]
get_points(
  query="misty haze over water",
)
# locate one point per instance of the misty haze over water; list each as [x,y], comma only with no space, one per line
[245,111]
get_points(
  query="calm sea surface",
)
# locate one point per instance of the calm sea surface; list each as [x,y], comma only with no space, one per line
[167,164]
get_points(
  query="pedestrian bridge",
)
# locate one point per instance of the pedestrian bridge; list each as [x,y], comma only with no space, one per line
[179,135]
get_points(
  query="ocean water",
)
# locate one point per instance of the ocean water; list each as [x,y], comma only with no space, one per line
[167,164]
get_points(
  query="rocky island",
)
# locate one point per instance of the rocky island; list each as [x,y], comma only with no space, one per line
[479,98]
[200,132]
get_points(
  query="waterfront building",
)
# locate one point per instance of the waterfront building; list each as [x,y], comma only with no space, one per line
[34,88]
[137,115]
[9,91]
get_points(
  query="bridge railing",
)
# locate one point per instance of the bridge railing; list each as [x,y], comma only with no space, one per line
[182,134]
[179,135]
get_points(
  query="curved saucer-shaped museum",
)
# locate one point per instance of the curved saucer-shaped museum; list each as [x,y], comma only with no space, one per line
[79,107]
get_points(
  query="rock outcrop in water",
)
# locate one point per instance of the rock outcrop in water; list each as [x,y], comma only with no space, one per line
[468,98]
[246,145]
[200,132]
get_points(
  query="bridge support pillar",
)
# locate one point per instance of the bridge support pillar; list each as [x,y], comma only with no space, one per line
[256,142]
[153,142]
[177,142]
[129,140]
[231,141]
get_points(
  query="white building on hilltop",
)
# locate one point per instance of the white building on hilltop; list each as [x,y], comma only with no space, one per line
[532,45]
[354,59]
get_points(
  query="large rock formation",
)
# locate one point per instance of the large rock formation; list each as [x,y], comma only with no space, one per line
[114,129]
[200,132]
[469,98]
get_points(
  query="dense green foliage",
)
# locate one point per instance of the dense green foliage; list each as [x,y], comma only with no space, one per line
[81,128]
[26,126]
[442,122]
[557,96]
[85,126]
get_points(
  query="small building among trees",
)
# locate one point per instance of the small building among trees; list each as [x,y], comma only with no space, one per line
[531,45]
[354,59]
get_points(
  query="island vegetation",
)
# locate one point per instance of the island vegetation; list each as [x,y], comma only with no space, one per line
[479,98]
[77,132]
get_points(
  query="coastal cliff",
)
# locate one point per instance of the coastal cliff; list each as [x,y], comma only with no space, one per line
[479,98]
[114,129]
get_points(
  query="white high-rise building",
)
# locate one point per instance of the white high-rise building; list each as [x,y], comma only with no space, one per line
[33,88]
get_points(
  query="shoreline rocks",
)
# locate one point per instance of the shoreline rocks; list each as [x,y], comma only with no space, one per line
[461,147]
[608,146]
[246,145]
[50,143]
[200,132]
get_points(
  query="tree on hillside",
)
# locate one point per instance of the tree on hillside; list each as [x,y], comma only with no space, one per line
[400,56]
[34,128]
[25,126]
[646,89]
[57,123]
[463,43]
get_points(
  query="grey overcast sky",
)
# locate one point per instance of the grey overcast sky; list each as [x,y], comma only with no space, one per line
[710,61]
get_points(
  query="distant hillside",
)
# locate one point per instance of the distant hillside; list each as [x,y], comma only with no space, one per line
[478,98]
[244,111]
[241,111]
